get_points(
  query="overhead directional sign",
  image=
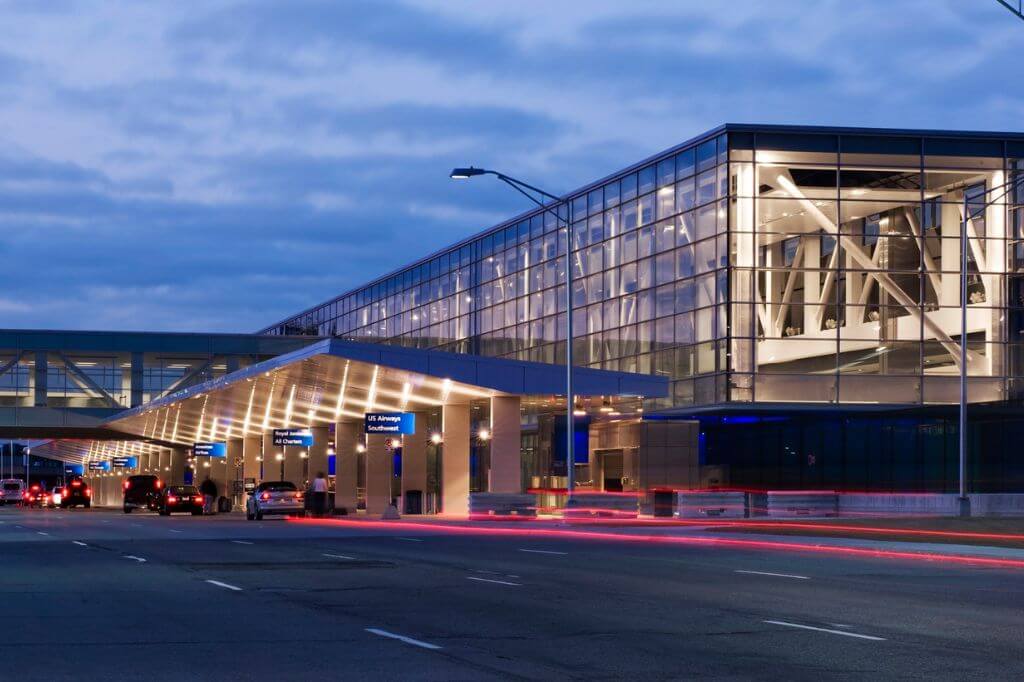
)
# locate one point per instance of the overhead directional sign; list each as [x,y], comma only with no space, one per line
[125,462]
[394,423]
[99,466]
[74,469]
[300,437]
[210,449]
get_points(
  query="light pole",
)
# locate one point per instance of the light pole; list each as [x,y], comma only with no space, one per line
[570,398]
[1014,184]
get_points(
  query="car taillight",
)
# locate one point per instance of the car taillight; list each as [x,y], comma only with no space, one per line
[64,491]
[159,484]
[198,498]
[127,484]
[76,484]
[298,496]
[265,496]
[88,492]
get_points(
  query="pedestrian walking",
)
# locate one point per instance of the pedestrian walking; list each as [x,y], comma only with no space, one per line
[209,490]
[320,494]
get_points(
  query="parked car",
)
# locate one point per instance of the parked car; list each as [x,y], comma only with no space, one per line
[34,496]
[179,498]
[275,497]
[11,490]
[141,492]
[54,500]
[76,493]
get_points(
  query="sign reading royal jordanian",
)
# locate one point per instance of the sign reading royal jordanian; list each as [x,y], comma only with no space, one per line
[300,437]
[399,423]
[125,462]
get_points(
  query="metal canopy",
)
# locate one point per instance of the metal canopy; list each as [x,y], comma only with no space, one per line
[335,380]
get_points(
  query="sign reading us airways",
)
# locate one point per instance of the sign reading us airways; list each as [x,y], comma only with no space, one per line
[210,449]
[300,437]
[400,423]
[125,462]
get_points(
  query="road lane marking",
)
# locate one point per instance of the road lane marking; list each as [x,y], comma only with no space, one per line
[135,558]
[410,539]
[137,525]
[340,556]
[241,542]
[41,532]
[224,585]
[831,632]
[402,638]
[498,582]
[175,531]
[80,544]
[774,575]
[543,551]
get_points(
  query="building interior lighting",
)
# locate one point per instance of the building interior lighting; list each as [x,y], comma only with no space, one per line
[435,438]
[279,456]
[484,434]
[360,448]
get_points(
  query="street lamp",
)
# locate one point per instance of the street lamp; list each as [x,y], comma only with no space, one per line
[546,201]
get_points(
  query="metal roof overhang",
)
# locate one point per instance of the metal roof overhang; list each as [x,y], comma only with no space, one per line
[336,380]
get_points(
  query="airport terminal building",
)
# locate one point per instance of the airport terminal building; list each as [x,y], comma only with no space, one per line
[765,307]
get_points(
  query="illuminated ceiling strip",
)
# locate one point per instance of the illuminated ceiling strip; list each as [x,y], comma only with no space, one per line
[288,408]
[341,391]
[248,410]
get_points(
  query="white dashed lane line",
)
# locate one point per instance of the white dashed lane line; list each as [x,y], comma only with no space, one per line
[340,556]
[543,551]
[403,638]
[410,539]
[226,586]
[135,558]
[80,544]
[775,575]
[496,582]
[826,630]
[241,542]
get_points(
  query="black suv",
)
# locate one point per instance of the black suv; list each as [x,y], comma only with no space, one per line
[141,492]
[76,493]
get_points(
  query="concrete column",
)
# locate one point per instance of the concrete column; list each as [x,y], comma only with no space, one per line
[347,436]
[414,459]
[378,474]
[318,452]
[455,460]
[40,373]
[506,460]
[176,476]
[233,470]
[251,448]
[294,465]
[135,385]
[271,467]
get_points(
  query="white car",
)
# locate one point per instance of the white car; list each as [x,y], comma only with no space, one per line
[11,491]
[275,497]
[55,497]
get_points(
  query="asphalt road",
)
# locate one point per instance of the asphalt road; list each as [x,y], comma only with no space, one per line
[94,595]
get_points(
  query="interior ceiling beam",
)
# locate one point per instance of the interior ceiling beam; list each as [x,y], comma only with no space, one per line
[85,381]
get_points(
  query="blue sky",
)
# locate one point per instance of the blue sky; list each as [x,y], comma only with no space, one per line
[216,166]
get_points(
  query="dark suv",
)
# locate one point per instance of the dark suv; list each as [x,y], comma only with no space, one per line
[141,492]
[76,493]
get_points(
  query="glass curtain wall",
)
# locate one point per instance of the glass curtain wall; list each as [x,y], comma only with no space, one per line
[846,278]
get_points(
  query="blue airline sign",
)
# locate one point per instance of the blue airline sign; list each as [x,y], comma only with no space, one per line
[125,462]
[396,423]
[300,437]
[99,466]
[210,449]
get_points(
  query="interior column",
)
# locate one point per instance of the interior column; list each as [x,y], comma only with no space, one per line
[294,465]
[455,460]
[378,474]
[414,461]
[233,465]
[347,437]
[506,443]
[251,448]
[271,465]
[176,476]
[318,452]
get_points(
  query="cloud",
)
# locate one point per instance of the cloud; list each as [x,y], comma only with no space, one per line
[218,166]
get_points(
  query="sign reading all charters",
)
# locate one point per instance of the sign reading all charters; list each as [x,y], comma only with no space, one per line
[398,423]
[300,437]
[124,462]
[210,449]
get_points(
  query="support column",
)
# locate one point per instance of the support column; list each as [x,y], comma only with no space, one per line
[414,461]
[318,452]
[378,474]
[251,448]
[294,465]
[41,370]
[271,466]
[455,460]
[233,469]
[347,436]
[176,476]
[506,457]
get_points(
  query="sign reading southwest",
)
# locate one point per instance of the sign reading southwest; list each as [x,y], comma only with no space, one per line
[210,449]
[300,437]
[125,462]
[401,423]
